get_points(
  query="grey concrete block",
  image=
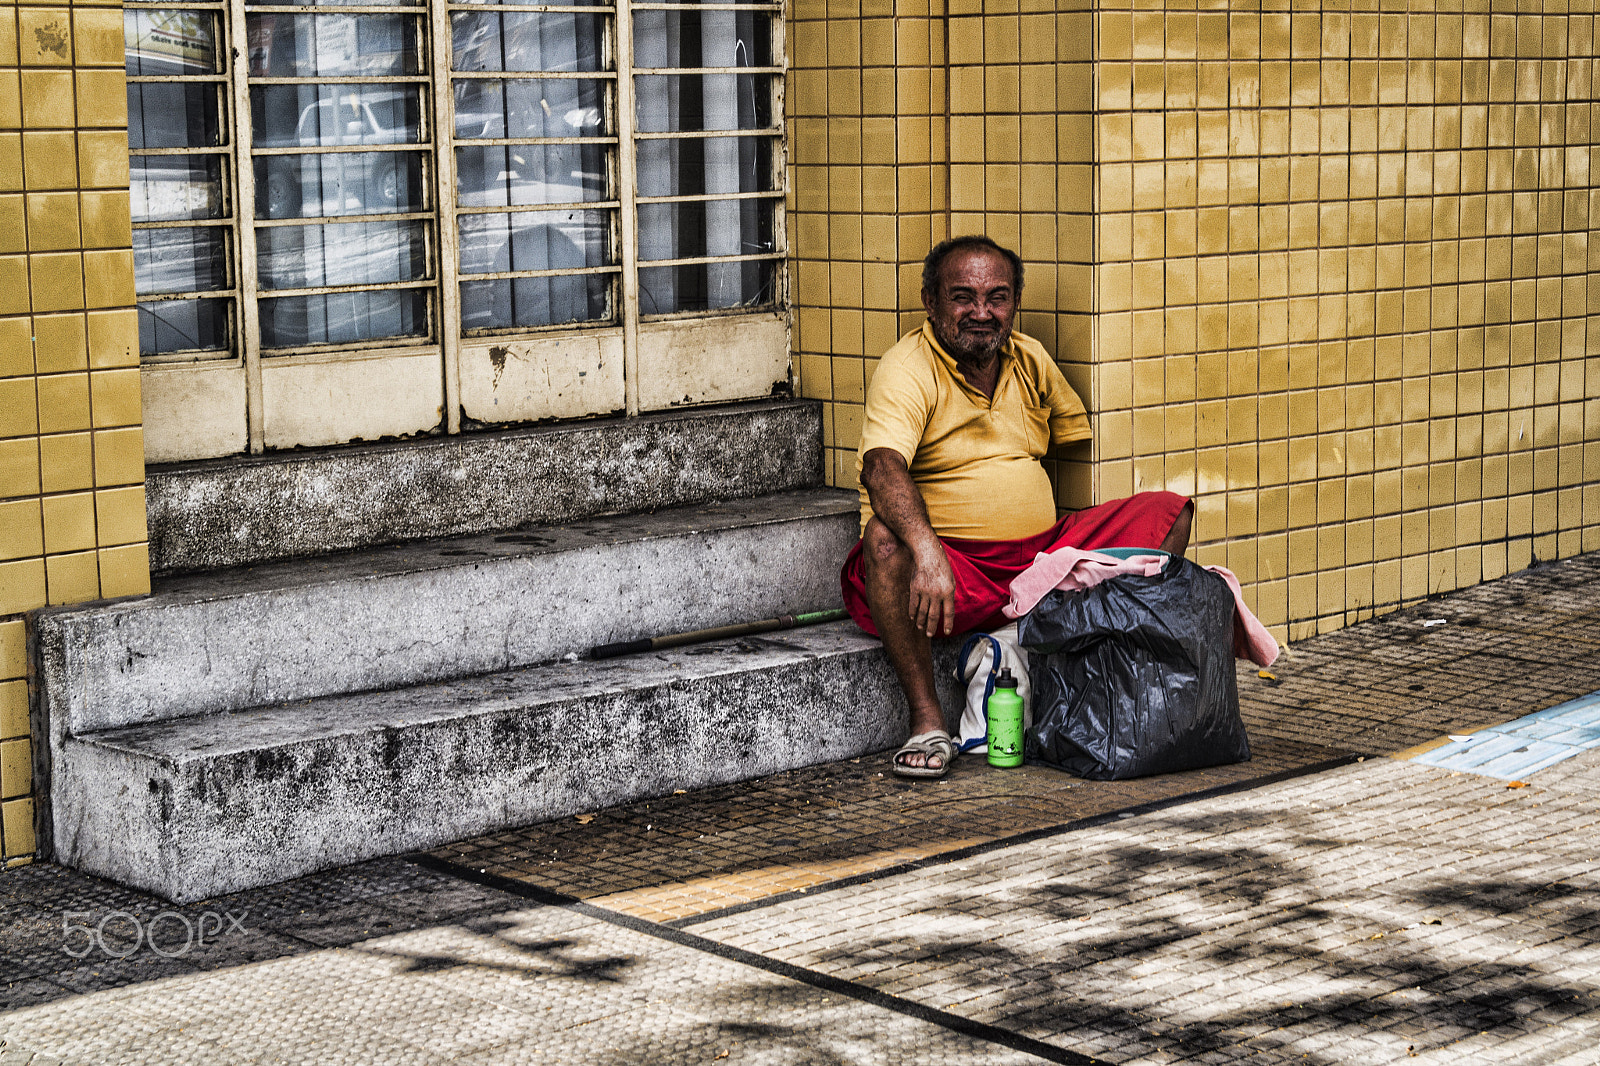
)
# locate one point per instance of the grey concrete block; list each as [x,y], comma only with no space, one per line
[194,808]
[231,512]
[399,616]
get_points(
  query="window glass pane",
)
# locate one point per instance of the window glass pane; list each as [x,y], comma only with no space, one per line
[169,42]
[702,39]
[167,188]
[548,3]
[705,227]
[534,240]
[290,116]
[180,259]
[705,165]
[526,41]
[341,3]
[179,115]
[350,253]
[535,301]
[529,107]
[183,325]
[342,318]
[518,174]
[350,183]
[707,286]
[689,102]
[313,46]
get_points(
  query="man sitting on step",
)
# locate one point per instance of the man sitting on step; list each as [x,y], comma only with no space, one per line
[954,500]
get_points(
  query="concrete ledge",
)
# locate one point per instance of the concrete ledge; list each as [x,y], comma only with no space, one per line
[209,805]
[232,512]
[405,615]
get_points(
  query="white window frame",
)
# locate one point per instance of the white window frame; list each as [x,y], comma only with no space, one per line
[654,344]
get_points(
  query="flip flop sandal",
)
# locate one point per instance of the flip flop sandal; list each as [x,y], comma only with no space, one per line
[934,742]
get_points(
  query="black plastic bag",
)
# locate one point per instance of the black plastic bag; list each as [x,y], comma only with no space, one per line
[1135,676]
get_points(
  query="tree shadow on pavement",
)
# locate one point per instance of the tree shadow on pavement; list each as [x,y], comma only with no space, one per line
[1248,929]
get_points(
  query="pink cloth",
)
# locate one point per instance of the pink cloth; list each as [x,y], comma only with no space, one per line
[1250,638]
[1072,569]
[1075,570]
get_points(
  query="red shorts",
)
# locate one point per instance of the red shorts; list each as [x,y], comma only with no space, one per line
[984,569]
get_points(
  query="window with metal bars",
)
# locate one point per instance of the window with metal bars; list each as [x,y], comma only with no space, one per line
[310,177]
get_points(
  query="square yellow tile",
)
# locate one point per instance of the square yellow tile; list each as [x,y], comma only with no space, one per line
[16,768]
[102,99]
[69,522]
[19,467]
[125,571]
[108,278]
[13,285]
[16,347]
[113,338]
[13,708]
[56,281]
[66,462]
[13,649]
[59,343]
[22,586]
[10,141]
[119,456]
[120,515]
[21,529]
[44,36]
[72,578]
[48,160]
[63,403]
[98,37]
[47,100]
[13,224]
[115,398]
[102,159]
[19,411]
[106,222]
[17,825]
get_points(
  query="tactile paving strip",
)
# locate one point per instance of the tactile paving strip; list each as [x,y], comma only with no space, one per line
[1522,747]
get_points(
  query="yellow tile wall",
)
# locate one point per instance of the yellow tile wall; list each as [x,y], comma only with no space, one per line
[72,523]
[1343,279]
[1329,272]
[865,110]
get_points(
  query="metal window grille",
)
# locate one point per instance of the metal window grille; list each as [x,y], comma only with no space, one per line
[359,173]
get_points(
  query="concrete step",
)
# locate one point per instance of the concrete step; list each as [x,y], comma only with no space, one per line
[237,511]
[204,805]
[404,615]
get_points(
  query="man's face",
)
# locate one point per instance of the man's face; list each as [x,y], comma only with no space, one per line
[976,303]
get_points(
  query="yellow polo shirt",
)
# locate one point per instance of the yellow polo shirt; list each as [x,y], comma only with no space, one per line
[975,459]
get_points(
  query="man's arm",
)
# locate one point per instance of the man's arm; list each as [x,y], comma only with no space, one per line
[898,504]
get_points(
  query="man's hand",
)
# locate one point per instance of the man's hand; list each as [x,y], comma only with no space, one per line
[933,593]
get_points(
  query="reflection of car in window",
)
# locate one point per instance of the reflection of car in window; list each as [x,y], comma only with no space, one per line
[345,183]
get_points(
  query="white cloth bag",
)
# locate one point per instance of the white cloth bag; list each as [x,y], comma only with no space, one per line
[978,666]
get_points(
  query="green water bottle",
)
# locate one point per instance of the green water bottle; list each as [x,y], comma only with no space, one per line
[1005,721]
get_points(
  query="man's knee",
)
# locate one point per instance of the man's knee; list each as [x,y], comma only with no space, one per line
[881,549]
[1177,539]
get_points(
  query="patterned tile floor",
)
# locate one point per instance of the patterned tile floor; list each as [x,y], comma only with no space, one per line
[1287,910]
[1523,643]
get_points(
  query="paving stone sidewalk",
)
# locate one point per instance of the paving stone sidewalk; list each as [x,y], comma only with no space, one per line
[1290,910]
[1372,913]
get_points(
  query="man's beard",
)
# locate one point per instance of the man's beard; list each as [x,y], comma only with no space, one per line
[975,347]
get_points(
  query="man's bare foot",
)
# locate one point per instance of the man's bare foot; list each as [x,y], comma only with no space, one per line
[926,754]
